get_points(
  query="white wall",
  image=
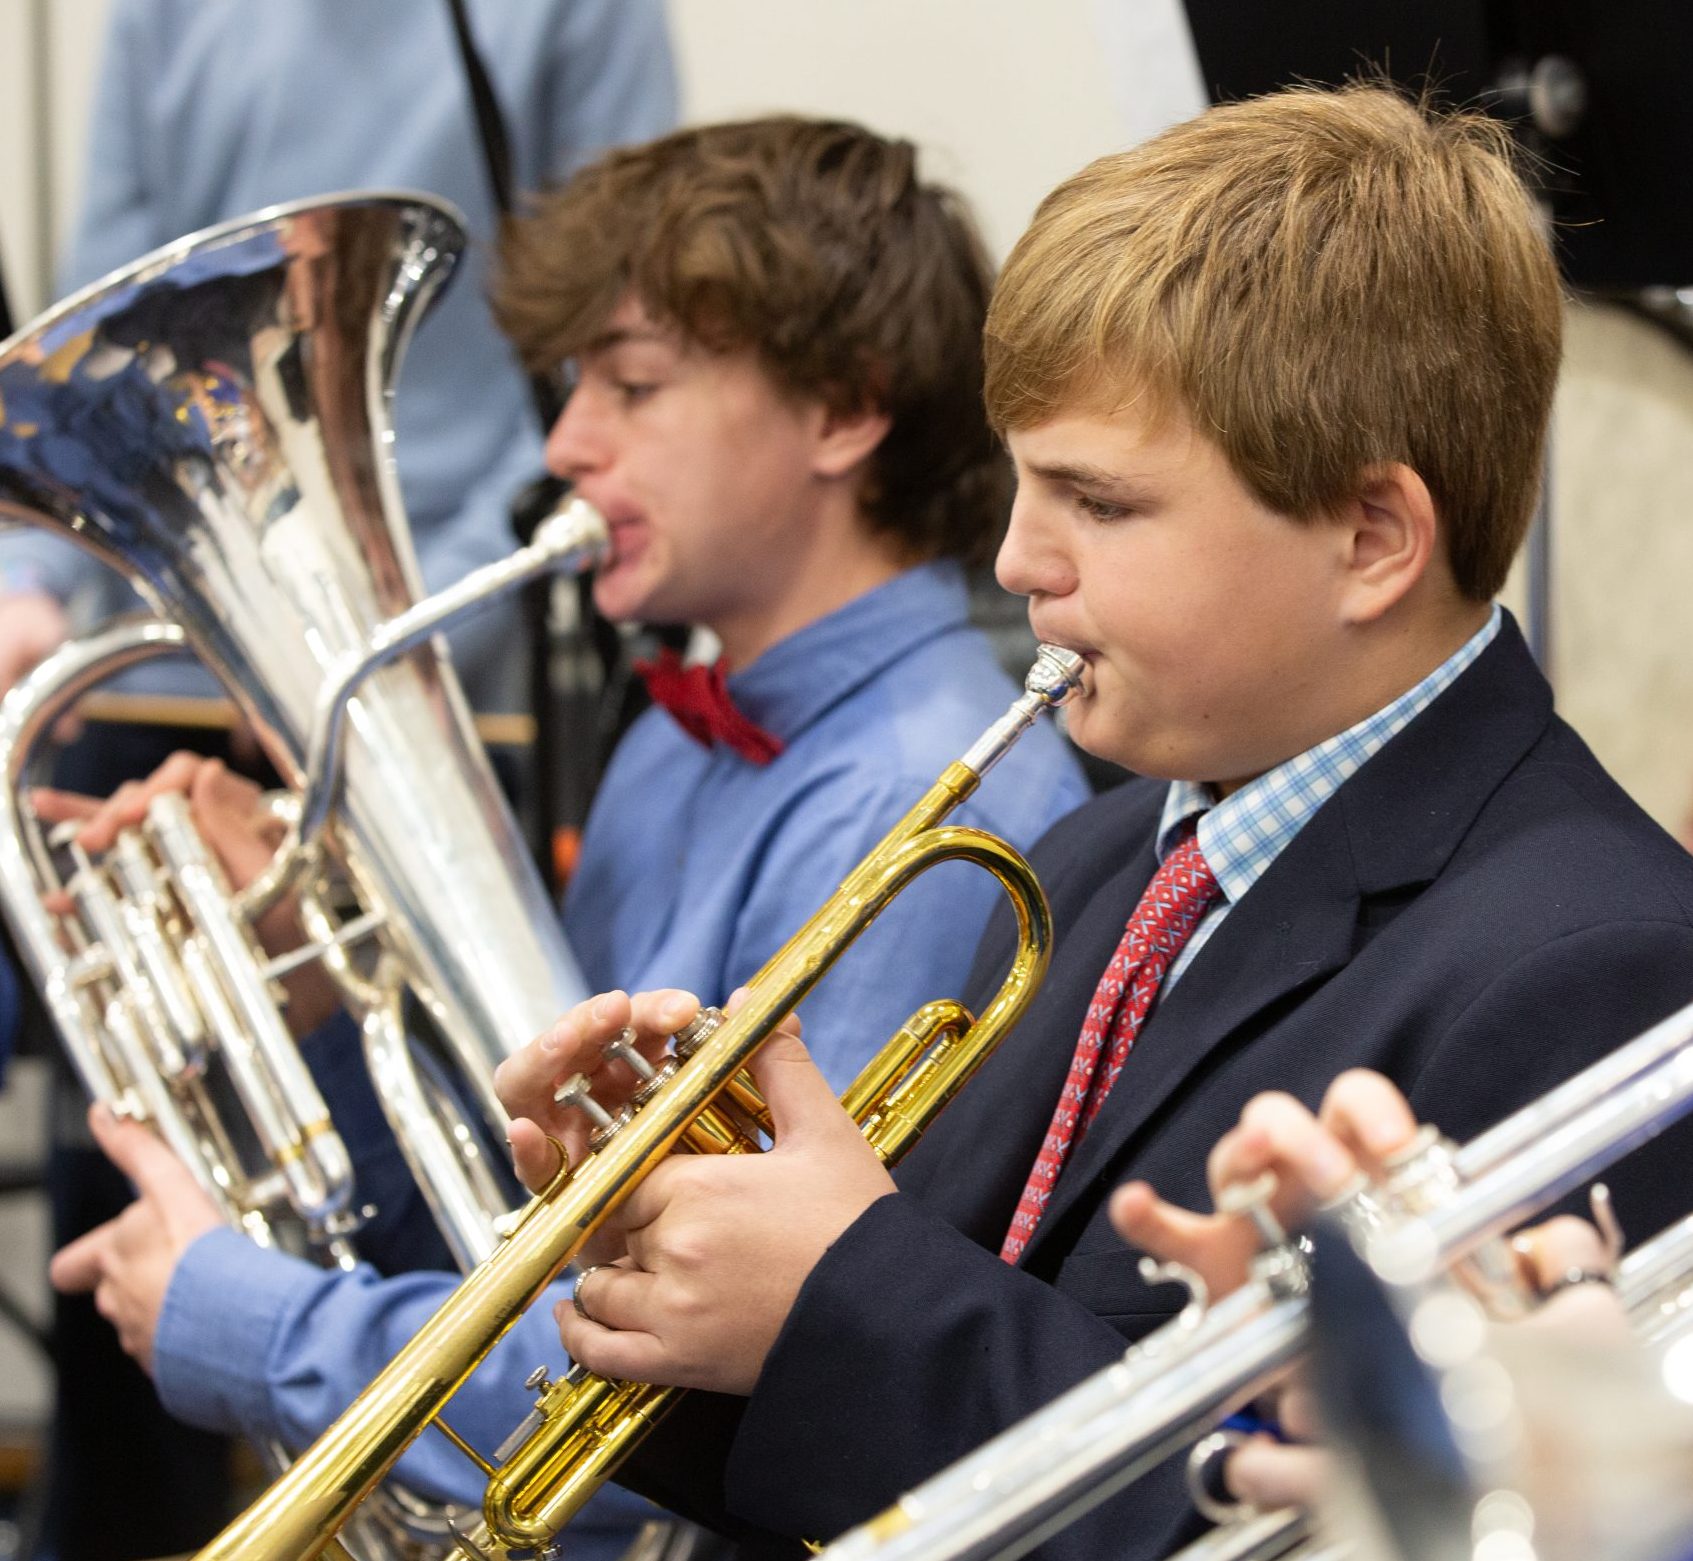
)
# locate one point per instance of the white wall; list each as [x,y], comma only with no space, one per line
[1006,97]
[49,51]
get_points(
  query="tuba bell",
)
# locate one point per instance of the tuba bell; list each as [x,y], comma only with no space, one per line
[213,423]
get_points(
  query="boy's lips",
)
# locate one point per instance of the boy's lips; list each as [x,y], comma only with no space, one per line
[1087,654]
[628,537]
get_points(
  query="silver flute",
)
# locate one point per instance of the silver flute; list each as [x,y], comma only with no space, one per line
[1441,1206]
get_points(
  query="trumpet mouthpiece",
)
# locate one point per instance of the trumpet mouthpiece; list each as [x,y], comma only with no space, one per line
[1056,675]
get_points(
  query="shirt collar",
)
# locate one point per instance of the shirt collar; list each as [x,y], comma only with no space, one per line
[1245,832]
[813,669]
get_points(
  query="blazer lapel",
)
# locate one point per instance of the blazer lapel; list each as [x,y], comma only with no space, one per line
[1269,946]
[1393,825]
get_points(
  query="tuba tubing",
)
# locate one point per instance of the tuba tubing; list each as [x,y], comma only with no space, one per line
[212,422]
[1089,1443]
[307,1507]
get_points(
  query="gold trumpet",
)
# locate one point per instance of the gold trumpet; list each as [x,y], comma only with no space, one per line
[897,1096]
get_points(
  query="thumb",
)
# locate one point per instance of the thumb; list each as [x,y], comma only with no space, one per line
[797,1094]
[78,1268]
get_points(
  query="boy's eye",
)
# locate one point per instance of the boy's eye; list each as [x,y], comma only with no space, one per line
[1102,509]
[632,392]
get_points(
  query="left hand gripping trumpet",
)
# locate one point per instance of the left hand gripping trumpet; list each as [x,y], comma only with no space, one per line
[701,1102]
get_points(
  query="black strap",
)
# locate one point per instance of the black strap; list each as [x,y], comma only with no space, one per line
[496,160]
[599,638]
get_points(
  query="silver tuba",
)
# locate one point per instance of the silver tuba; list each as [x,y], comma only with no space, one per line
[213,422]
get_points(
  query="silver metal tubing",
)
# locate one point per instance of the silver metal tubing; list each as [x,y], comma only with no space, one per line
[1051,680]
[573,540]
[1025,1484]
[1655,1284]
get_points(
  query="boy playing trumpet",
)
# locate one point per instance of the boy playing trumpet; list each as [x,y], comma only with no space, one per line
[1276,385]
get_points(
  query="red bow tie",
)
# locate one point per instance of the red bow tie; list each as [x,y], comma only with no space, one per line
[698,697]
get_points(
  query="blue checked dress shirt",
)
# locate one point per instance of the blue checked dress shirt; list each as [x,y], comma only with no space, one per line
[696,866]
[1241,835]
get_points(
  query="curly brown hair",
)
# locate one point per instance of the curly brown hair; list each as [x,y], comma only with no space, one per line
[814,245]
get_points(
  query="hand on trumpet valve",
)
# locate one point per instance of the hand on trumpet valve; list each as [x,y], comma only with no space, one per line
[1271,1170]
[559,1087]
[127,1263]
[697,1270]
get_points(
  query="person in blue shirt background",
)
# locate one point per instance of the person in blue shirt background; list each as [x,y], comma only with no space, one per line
[204,112]
[208,112]
[776,331]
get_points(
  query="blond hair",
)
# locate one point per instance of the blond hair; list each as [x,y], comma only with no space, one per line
[1320,281]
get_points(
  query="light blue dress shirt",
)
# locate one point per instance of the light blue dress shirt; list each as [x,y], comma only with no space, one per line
[1244,833]
[207,111]
[696,866]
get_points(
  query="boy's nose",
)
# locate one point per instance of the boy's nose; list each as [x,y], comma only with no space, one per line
[576,445]
[1030,561]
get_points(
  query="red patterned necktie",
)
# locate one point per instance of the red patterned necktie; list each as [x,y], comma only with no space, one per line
[1174,904]
[698,697]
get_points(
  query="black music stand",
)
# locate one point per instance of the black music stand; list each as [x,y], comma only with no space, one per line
[1617,165]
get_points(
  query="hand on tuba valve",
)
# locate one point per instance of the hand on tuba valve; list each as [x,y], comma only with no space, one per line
[242,829]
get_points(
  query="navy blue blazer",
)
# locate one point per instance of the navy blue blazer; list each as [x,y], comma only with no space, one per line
[1479,912]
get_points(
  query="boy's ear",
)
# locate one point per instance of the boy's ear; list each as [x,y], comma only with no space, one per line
[1393,536]
[847,438]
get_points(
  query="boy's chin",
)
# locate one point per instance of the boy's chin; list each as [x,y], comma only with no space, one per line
[622,598]
[1089,729]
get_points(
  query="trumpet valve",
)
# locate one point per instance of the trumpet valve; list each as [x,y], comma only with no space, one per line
[1282,1264]
[1253,1200]
[1423,1175]
[697,1031]
[622,1048]
[575,1095]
